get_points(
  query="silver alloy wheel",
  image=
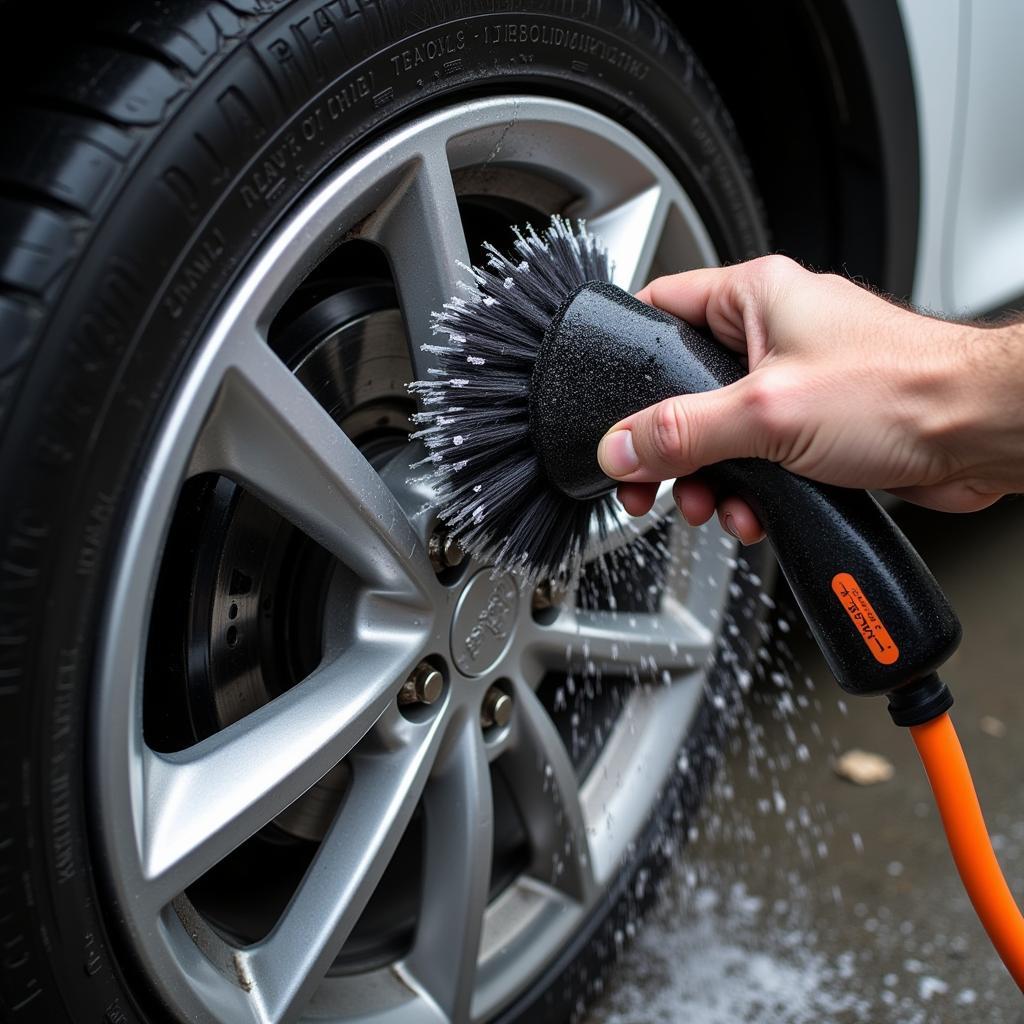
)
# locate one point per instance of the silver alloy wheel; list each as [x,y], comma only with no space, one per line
[164,820]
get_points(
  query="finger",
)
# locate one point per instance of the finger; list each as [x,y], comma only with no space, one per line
[686,295]
[637,499]
[681,435]
[694,498]
[738,519]
[734,302]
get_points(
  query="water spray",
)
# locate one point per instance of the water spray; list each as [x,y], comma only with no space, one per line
[541,356]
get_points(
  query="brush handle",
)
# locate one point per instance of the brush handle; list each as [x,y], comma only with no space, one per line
[874,608]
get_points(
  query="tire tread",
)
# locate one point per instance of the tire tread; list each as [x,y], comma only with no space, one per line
[72,142]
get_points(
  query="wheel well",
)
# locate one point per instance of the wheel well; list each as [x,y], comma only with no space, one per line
[822,95]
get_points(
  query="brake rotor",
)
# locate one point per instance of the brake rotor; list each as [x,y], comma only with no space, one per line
[260,585]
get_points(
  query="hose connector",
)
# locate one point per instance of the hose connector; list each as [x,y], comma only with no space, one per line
[920,701]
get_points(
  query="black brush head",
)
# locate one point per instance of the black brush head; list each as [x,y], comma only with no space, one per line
[544,354]
[493,491]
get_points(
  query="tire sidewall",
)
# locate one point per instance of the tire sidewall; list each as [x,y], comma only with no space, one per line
[296,91]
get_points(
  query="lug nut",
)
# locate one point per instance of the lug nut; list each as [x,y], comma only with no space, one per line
[445,551]
[548,594]
[497,709]
[424,686]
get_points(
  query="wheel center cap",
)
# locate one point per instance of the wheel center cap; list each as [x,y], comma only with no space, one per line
[485,619]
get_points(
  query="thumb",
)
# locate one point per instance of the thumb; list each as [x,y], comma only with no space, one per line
[680,435]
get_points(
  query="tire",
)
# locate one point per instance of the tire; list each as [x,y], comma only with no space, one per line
[141,174]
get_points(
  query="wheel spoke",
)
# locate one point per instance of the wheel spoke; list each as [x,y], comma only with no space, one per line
[269,434]
[200,803]
[632,232]
[671,640]
[630,527]
[386,786]
[420,228]
[456,875]
[541,776]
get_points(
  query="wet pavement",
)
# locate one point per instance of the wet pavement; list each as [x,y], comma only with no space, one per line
[804,899]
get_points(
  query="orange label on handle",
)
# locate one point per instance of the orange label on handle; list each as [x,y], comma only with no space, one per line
[863,616]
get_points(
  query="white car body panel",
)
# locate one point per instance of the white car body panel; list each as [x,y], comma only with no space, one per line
[969,79]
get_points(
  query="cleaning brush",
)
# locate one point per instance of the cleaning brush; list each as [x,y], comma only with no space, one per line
[543,355]
[493,493]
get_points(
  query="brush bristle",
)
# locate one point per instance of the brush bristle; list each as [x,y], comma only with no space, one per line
[492,491]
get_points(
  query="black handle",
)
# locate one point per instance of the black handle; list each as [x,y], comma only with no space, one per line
[874,608]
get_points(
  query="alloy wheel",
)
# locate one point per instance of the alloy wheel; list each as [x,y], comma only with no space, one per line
[324,755]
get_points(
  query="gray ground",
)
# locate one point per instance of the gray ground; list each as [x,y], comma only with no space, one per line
[804,899]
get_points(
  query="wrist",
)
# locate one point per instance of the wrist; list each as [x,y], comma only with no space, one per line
[976,401]
[931,385]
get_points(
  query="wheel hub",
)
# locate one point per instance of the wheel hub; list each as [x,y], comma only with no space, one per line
[484,621]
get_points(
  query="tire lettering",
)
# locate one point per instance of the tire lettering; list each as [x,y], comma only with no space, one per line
[206,253]
[572,40]
[347,96]
[92,961]
[95,533]
[313,51]
[271,175]
[429,51]
[61,840]
[184,191]
[320,43]
[114,1014]
[102,331]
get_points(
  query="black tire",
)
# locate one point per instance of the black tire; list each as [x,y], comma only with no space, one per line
[129,163]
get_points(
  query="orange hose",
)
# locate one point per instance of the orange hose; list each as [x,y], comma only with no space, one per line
[950,778]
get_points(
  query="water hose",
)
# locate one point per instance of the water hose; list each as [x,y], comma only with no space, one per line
[969,842]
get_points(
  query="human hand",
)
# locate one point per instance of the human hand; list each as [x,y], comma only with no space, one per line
[844,387]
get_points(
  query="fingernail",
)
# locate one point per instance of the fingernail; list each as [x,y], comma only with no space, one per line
[616,453]
[730,525]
